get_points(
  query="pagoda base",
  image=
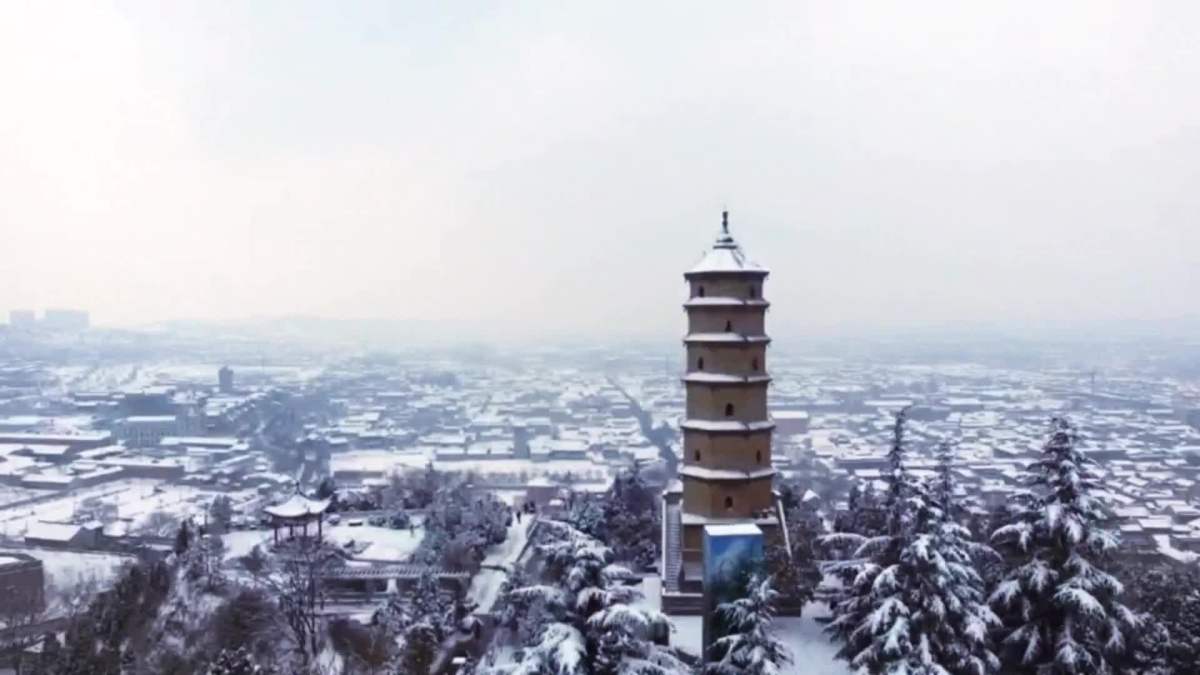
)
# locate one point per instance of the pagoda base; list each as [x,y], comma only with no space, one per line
[683,559]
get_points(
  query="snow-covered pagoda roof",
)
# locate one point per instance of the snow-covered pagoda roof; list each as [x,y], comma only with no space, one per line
[297,506]
[725,256]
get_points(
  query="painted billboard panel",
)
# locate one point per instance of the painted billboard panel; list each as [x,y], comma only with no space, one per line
[732,554]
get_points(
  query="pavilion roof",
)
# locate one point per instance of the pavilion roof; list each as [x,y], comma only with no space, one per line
[297,506]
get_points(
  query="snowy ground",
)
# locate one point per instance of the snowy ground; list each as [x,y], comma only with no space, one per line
[10,493]
[65,569]
[239,543]
[812,652]
[383,543]
[485,585]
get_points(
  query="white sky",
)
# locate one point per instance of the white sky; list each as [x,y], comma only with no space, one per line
[558,166]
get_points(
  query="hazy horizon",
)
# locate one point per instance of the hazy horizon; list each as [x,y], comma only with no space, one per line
[554,170]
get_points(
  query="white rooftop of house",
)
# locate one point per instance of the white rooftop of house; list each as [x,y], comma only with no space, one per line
[57,437]
[150,419]
[726,256]
[52,531]
[200,441]
[46,450]
[297,506]
[739,530]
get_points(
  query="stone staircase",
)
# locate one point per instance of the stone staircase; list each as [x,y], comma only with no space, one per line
[672,548]
[674,599]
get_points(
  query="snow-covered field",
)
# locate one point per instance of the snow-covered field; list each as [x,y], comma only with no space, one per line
[135,500]
[65,569]
[133,376]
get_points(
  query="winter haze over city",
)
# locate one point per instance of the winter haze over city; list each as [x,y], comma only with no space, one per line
[386,338]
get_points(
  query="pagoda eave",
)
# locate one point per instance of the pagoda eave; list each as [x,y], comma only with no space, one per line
[720,378]
[725,339]
[697,519]
[723,426]
[719,475]
[725,303]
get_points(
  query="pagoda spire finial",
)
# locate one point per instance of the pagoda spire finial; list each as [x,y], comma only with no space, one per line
[725,222]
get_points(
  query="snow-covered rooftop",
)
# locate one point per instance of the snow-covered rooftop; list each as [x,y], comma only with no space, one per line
[297,506]
[726,256]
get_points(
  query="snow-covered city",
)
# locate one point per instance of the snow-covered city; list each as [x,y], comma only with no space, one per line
[772,338]
[388,510]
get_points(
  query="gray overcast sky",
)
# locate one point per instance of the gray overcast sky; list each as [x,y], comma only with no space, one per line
[558,165]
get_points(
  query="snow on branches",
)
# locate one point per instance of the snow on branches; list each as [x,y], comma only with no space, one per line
[586,622]
[748,648]
[912,601]
[1061,610]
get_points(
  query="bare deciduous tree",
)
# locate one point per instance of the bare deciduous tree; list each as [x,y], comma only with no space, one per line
[293,579]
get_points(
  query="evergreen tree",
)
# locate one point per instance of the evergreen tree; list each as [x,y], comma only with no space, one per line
[586,622]
[747,647]
[220,514]
[912,602]
[183,538]
[630,524]
[865,513]
[1170,601]
[1061,611]
[420,649]
[327,488]
[588,516]
[795,574]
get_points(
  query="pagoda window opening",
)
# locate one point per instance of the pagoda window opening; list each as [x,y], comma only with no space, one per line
[758,456]
[728,326]
[729,503]
[753,292]
[700,291]
[754,365]
[700,363]
[697,455]
[729,410]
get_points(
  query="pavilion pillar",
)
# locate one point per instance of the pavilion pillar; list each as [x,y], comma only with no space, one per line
[275,531]
[320,522]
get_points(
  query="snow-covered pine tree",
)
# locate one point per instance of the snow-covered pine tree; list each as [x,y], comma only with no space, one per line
[795,574]
[748,647]
[420,649]
[951,589]
[587,624]
[1061,610]
[943,488]
[912,602]
[1168,599]
[587,516]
